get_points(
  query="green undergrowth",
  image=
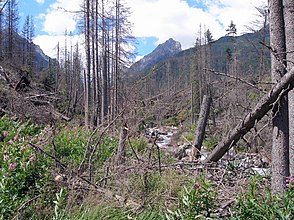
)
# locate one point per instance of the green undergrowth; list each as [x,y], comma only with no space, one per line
[258,202]
[197,201]
[188,134]
[139,145]
[27,189]
[109,211]
[155,189]
[24,170]
[210,142]
[70,145]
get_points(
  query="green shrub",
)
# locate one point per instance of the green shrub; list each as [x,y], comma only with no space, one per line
[197,202]
[210,142]
[148,186]
[138,144]
[106,149]
[59,202]
[23,170]
[258,203]
[71,144]
[189,134]
[172,120]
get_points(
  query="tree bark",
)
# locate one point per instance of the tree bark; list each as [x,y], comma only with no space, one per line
[289,31]
[280,138]
[104,108]
[200,131]
[88,71]
[263,106]
[121,150]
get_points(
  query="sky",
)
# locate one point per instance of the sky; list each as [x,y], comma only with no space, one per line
[154,21]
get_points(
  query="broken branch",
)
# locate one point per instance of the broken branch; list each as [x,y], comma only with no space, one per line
[262,107]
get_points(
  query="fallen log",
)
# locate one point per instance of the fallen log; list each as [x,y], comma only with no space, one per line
[266,103]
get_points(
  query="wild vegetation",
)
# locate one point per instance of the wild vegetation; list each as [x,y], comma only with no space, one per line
[99,142]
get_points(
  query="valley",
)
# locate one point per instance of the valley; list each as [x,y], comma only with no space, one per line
[196,133]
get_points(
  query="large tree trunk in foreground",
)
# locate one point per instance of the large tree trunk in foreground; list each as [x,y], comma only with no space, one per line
[289,29]
[280,135]
[200,131]
[262,107]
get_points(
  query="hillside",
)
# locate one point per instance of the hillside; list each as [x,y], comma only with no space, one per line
[23,49]
[246,47]
[137,163]
[26,86]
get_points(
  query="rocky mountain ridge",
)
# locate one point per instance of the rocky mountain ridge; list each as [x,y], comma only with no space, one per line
[160,53]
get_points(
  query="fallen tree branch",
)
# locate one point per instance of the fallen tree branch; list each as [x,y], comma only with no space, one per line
[24,205]
[5,111]
[55,113]
[4,75]
[49,95]
[107,193]
[266,103]
[59,115]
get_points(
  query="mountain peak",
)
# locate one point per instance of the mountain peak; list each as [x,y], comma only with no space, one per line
[161,52]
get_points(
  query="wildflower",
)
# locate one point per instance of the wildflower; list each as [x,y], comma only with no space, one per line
[16,137]
[32,158]
[22,148]
[10,142]
[5,133]
[6,157]
[197,185]
[290,182]
[12,166]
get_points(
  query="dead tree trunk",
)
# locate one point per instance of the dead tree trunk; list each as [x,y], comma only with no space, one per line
[289,31]
[263,106]
[121,150]
[200,131]
[280,135]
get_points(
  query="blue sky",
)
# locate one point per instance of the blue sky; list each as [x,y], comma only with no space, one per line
[35,9]
[154,21]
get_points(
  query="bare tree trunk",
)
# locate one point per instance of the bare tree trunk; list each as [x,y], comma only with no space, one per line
[280,145]
[194,92]
[104,109]
[263,106]
[94,79]
[121,150]
[58,69]
[98,76]
[88,58]
[289,30]
[200,131]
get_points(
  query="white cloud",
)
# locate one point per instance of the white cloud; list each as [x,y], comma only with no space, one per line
[239,11]
[56,20]
[169,18]
[174,18]
[60,17]
[49,43]
[40,1]
[162,19]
